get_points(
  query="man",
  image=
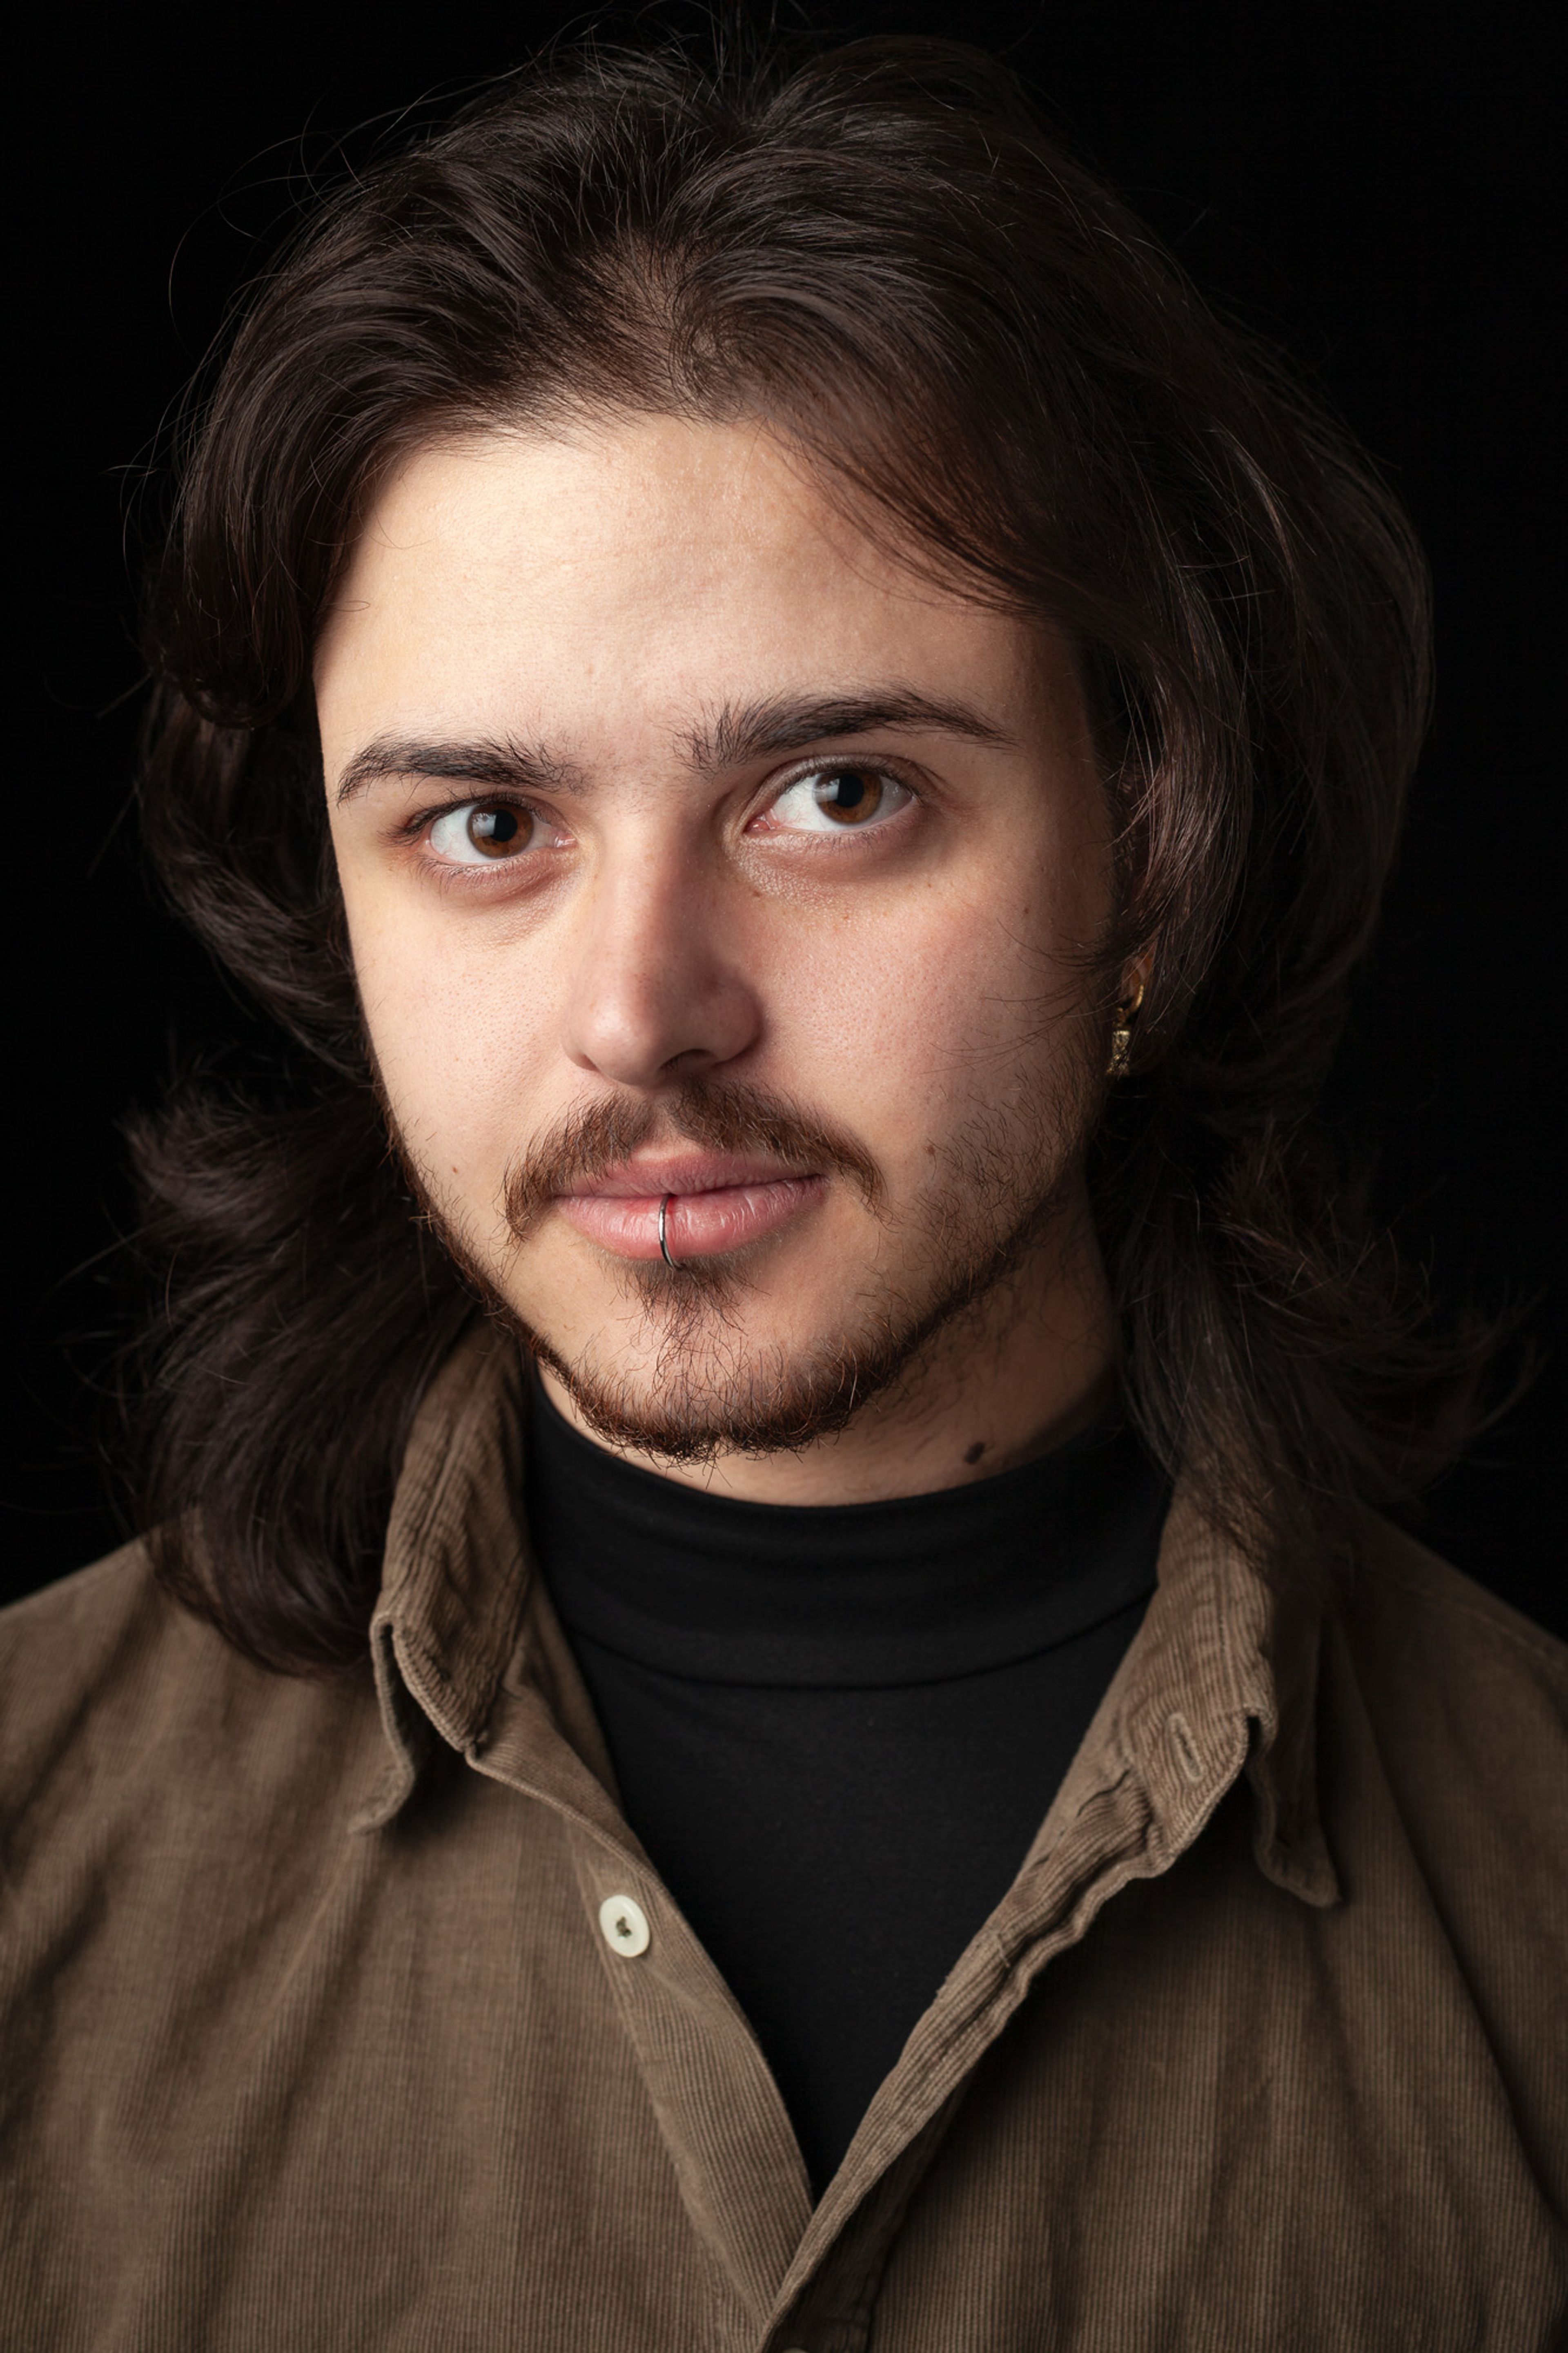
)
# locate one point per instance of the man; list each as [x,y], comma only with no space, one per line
[764,1705]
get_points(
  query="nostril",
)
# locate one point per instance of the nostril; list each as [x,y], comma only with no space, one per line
[650,1029]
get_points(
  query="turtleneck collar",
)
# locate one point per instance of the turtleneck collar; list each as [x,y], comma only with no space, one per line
[920,1589]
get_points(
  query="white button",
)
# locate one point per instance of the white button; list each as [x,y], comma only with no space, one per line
[624,1924]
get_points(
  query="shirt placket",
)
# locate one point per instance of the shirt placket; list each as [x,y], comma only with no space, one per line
[782,2277]
[1171,1741]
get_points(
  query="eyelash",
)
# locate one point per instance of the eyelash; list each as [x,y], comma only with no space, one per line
[420,823]
[889,771]
[422,819]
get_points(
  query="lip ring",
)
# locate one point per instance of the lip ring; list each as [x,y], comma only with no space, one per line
[673,1263]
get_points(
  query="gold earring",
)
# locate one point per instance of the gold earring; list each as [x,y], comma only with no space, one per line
[1121,1033]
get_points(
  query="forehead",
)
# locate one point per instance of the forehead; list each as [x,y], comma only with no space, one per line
[647,565]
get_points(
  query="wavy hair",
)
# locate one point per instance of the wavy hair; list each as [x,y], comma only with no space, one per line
[881,252]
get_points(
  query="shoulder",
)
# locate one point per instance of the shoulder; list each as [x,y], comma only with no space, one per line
[95,1603]
[1424,1622]
[121,1707]
[81,1655]
[100,1649]
[1467,1702]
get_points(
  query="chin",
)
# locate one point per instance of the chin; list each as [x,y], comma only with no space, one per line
[708,1369]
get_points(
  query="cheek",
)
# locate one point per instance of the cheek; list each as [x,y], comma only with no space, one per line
[448,1011]
[909,1029]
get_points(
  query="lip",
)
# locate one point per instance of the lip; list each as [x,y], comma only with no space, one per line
[715,1203]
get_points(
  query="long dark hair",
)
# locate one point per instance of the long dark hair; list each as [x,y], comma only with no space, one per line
[880,251]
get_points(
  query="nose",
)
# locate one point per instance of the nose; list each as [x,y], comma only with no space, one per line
[657,993]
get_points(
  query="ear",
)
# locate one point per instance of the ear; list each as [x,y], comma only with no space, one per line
[1134,981]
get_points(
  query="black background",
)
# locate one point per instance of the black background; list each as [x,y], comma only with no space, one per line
[1368,185]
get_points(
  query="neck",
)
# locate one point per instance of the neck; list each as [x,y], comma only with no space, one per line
[1019,1372]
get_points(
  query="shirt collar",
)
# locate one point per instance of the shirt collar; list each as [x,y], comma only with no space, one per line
[455,1572]
[1220,1678]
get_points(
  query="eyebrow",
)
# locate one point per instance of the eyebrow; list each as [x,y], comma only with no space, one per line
[493,767]
[739,733]
[754,731]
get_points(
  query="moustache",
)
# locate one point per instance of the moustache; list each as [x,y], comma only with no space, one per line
[594,1138]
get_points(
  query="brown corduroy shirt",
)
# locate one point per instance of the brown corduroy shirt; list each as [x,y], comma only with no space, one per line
[315,2036]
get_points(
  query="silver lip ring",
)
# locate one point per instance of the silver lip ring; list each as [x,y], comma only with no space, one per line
[673,1263]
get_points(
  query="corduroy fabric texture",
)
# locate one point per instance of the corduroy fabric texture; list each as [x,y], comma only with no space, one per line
[313,2038]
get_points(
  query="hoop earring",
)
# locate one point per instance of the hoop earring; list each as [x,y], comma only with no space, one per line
[1122,1034]
[673,1263]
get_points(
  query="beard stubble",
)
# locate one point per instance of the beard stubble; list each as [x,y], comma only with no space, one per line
[994,1196]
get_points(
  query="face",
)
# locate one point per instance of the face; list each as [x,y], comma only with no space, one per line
[719,893]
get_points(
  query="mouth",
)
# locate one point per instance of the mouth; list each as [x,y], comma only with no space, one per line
[712,1202]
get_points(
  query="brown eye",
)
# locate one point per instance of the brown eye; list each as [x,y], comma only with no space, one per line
[849,796]
[499,832]
[482,833]
[838,799]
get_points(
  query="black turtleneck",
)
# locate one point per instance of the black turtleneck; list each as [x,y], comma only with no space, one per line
[837,1728]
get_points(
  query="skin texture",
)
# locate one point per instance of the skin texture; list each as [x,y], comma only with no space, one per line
[612,624]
